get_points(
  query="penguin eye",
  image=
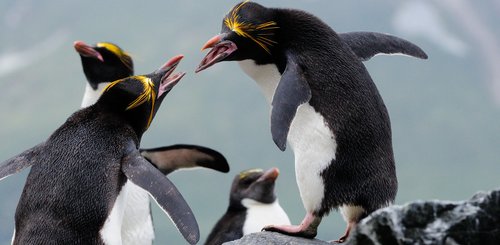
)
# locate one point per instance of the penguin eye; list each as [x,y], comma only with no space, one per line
[262,34]
[247,182]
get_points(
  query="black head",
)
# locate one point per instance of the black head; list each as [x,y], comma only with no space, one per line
[248,32]
[254,184]
[104,62]
[137,98]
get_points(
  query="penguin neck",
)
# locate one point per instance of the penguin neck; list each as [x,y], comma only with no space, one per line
[108,111]
[91,95]
[235,205]
[266,76]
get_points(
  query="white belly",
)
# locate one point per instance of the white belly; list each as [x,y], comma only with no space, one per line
[260,215]
[137,227]
[312,142]
[111,230]
[314,146]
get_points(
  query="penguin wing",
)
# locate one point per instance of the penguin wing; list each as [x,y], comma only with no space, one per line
[142,173]
[19,162]
[292,91]
[170,158]
[368,44]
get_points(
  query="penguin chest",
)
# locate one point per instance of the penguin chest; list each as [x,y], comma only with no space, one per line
[266,76]
[260,215]
[137,226]
[111,231]
[311,140]
[91,95]
[314,147]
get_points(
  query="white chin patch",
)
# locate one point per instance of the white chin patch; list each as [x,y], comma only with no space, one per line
[266,76]
[91,96]
[260,215]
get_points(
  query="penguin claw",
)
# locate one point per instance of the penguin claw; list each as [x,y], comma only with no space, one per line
[344,237]
[340,240]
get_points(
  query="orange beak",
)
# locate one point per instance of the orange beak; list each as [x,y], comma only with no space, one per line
[86,50]
[212,42]
[271,174]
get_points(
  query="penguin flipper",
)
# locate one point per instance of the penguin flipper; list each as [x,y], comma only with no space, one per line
[142,173]
[170,158]
[292,91]
[368,44]
[19,162]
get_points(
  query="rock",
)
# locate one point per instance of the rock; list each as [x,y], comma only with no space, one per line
[476,221]
[274,238]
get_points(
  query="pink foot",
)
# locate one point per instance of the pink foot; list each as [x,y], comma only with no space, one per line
[344,237]
[307,228]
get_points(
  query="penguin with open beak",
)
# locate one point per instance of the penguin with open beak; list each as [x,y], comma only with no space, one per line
[103,63]
[323,103]
[73,192]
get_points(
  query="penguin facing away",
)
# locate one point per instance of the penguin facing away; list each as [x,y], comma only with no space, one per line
[105,62]
[98,62]
[323,102]
[252,206]
[73,188]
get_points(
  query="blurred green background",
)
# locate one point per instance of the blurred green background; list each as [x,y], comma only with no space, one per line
[445,111]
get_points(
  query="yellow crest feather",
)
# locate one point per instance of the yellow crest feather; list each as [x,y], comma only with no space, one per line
[258,33]
[148,94]
[245,173]
[122,55]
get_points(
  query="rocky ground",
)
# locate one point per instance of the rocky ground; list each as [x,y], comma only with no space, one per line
[475,221]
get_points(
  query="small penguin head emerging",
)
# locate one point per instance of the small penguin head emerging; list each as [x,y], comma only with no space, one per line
[254,184]
[104,62]
[248,32]
[137,98]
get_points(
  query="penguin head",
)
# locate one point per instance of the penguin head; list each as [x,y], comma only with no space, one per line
[248,32]
[104,62]
[254,184]
[137,98]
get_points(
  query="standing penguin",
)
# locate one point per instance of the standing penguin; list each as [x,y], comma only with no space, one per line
[252,206]
[73,192]
[106,62]
[323,102]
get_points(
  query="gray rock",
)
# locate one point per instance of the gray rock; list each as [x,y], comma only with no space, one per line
[274,238]
[476,221]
